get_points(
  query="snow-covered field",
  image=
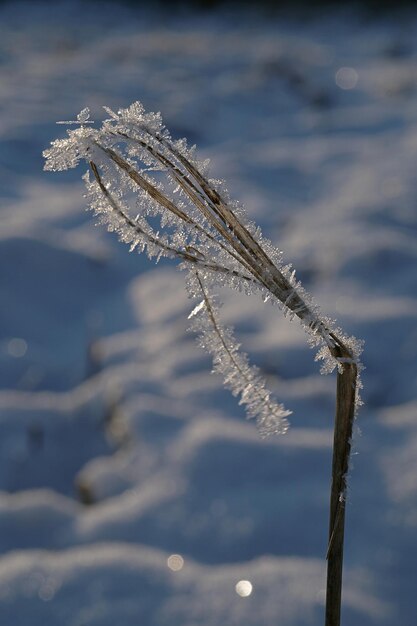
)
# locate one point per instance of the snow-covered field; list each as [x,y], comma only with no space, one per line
[118,448]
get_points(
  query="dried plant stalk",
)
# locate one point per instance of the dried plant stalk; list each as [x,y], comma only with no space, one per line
[133,153]
[345,415]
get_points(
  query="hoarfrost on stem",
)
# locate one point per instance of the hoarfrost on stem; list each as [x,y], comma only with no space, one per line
[134,162]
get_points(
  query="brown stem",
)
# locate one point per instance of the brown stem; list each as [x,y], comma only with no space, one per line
[345,413]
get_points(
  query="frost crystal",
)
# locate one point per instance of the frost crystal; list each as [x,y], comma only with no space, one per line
[136,168]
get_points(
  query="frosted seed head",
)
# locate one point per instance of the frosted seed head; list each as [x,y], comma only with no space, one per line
[137,169]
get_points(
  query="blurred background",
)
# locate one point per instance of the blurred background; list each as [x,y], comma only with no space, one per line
[132,490]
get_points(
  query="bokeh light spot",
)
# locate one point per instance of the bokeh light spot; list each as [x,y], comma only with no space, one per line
[244,588]
[17,347]
[175,562]
[346,78]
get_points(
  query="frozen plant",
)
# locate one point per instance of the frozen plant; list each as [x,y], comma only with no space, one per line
[204,229]
[158,197]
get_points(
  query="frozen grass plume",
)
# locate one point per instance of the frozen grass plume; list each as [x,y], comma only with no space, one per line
[157,196]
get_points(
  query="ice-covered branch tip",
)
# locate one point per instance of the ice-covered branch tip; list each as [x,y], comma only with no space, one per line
[134,162]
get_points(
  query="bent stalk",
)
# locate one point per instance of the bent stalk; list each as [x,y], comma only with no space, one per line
[218,246]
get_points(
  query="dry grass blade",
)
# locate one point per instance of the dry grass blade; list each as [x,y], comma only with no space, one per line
[197,259]
[209,235]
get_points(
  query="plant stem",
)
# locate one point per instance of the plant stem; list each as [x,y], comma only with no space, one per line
[345,414]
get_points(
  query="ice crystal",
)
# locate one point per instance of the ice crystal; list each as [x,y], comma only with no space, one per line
[239,376]
[83,117]
[136,168]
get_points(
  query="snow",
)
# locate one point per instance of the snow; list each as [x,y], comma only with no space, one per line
[114,583]
[118,449]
